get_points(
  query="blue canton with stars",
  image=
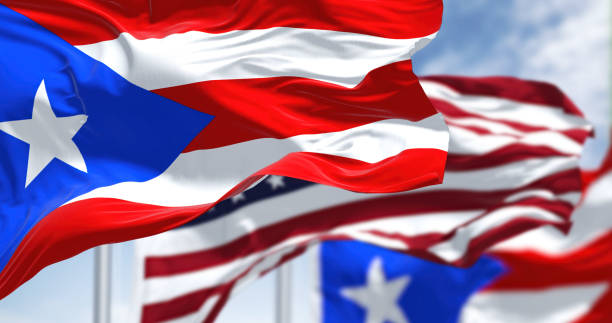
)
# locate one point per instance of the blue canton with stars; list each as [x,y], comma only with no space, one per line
[271,186]
[427,291]
[124,133]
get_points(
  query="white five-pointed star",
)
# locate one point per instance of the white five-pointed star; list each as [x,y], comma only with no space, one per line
[379,297]
[48,136]
[275,181]
[238,197]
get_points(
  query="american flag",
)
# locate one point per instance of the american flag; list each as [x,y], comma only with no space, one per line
[512,167]
[320,90]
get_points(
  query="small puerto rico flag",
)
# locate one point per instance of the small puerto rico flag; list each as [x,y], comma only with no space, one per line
[360,282]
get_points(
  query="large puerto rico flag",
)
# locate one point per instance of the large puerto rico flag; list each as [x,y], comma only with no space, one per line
[120,120]
[512,167]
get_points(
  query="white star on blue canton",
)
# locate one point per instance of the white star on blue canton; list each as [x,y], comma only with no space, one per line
[275,181]
[49,137]
[238,197]
[379,296]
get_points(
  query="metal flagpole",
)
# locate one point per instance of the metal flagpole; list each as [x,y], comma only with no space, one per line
[102,284]
[283,293]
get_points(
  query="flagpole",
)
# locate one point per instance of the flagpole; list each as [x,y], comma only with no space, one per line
[283,294]
[102,284]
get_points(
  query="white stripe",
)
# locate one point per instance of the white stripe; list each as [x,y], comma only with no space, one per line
[203,176]
[495,127]
[158,289]
[377,240]
[508,110]
[464,141]
[341,58]
[507,176]
[379,140]
[490,125]
[559,305]
[571,197]
[412,225]
[590,220]
[455,248]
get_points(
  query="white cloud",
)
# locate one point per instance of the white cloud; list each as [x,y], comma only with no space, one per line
[572,53]
[565,42]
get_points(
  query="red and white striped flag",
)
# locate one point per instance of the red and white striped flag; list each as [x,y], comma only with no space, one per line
[321,90]
[553,277]
[512,167]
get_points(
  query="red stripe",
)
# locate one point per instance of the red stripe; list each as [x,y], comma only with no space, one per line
[72,229]
[511,88]
[535,270]
[281,107]
[476,129]
[410,169]
[90,21]
[451,111]
[182,305]
[529,270]
[363,210]
[578,135]
[504,155]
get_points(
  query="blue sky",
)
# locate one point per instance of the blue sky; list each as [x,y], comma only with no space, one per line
[565,42]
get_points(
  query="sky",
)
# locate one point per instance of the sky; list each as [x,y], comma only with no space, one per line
[565,42]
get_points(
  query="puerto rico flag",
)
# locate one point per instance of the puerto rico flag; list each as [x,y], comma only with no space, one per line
[124,119]
[363,283]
